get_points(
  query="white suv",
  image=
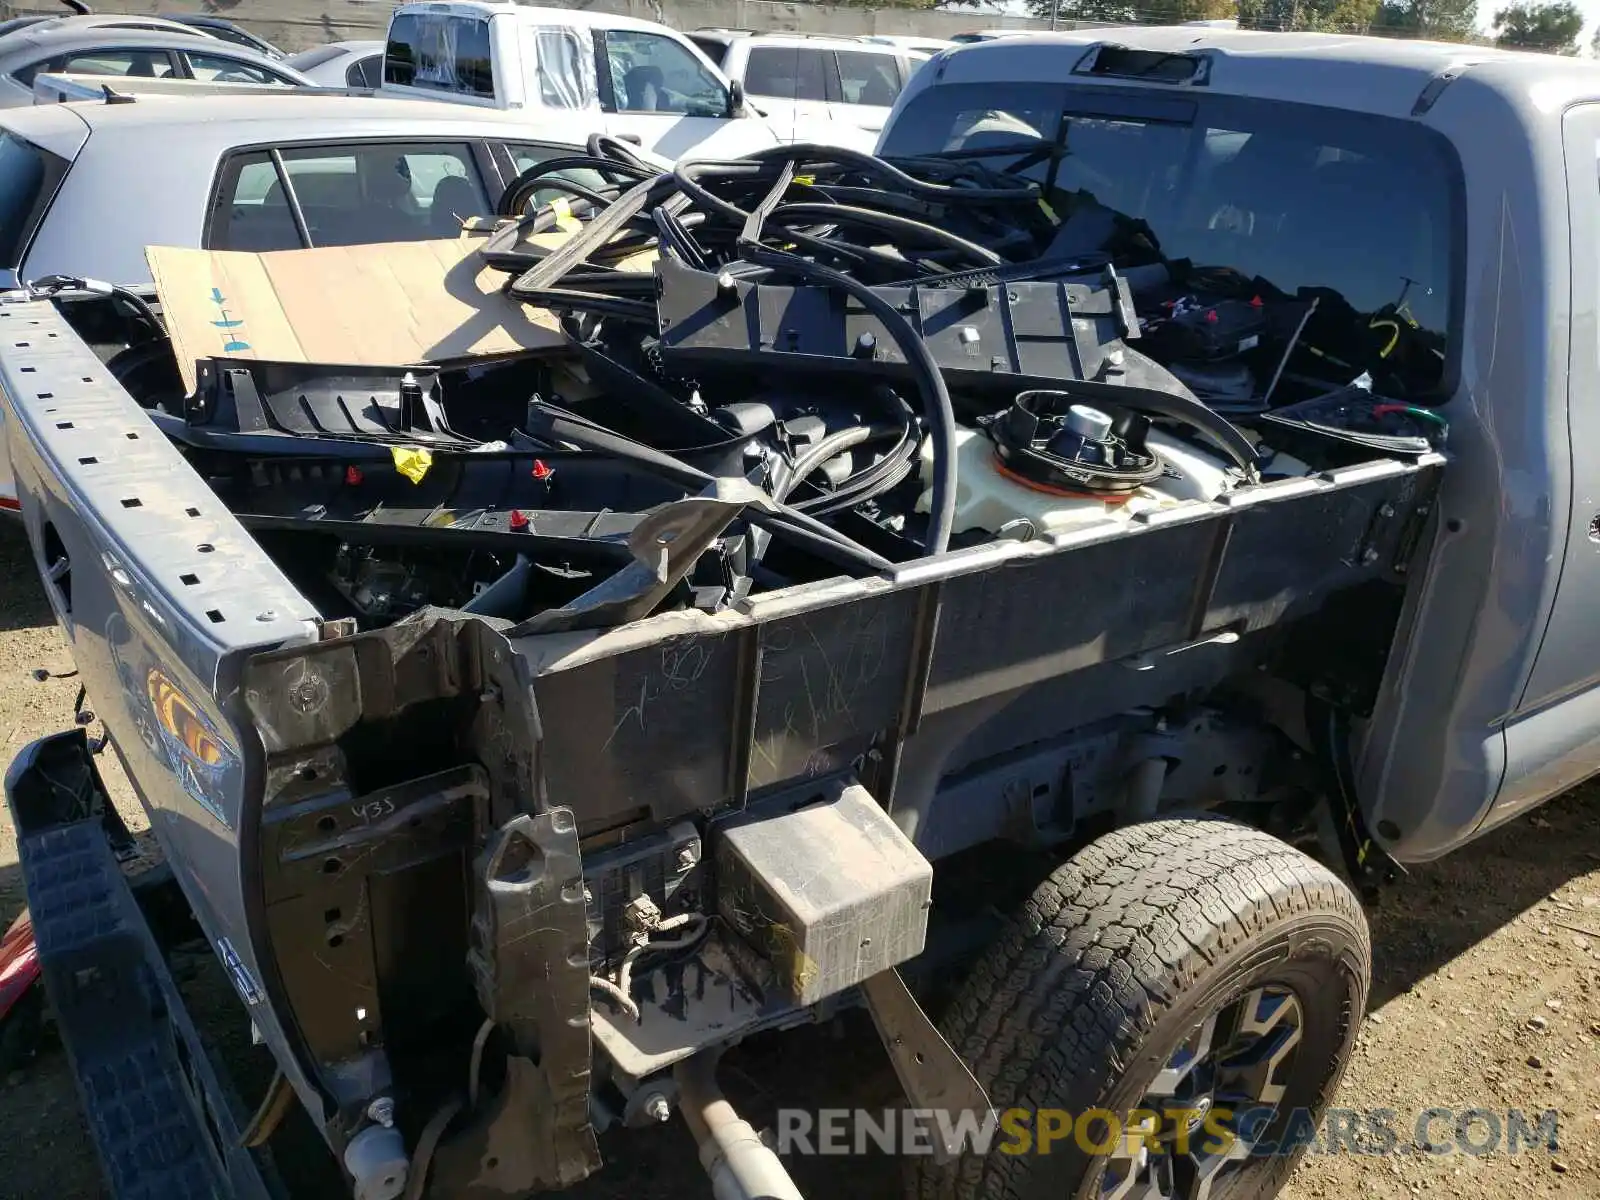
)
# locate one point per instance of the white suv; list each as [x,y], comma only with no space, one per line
[798,79]
[584,71]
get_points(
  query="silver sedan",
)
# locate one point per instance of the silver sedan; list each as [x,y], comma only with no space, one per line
[342,64]
[116,52]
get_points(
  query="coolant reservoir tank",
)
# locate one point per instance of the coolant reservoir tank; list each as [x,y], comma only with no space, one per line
[986,499]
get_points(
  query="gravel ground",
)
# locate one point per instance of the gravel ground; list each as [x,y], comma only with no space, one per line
[1487,995]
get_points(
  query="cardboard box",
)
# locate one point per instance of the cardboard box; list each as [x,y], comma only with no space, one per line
[387,305]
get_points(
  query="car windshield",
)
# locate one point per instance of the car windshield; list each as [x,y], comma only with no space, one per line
[1285,200]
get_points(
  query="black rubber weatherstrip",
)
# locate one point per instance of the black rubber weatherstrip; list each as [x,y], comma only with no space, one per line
[937,409]
[822,540]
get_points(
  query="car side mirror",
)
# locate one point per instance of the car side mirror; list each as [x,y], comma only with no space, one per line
[736,104]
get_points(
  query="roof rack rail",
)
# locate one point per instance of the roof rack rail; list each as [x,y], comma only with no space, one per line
[804,33]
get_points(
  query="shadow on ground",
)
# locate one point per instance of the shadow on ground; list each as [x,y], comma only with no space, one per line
[12,901]
[22,602]
[1443,909]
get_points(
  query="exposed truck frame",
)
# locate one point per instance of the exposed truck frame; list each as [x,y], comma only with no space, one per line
[350,783]
[457,777]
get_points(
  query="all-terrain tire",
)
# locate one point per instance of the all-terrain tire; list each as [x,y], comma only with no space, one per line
[1117,956]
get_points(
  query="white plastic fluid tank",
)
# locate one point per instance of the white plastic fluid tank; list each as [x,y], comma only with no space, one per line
[987,500]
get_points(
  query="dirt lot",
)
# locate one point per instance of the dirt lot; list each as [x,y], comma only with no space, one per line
[1487,996]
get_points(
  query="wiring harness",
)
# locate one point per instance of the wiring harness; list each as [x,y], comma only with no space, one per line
[798,215]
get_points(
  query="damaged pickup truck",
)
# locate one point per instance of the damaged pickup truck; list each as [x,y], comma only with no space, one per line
[1053,512]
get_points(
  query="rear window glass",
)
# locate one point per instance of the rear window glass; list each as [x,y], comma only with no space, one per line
[217,68]
[711,48]
[868,78]
[786,73]
[235,37]
[440,52]
[1357,211]
[135,64]
[28,176]
[348,195]
[366,72]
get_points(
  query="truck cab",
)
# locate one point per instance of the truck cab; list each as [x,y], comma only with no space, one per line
[632,79]
[1491,705]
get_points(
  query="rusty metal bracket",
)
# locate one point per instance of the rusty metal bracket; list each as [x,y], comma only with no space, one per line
[934,1076]
[530,965]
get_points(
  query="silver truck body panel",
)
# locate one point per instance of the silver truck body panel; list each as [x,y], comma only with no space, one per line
[84,451]
[1476,662]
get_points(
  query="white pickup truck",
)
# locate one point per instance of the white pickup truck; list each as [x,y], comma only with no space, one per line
[632,79]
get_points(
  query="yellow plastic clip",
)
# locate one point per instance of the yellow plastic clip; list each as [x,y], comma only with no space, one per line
[564,218]
[411,461]
[1394,336]
[1044,205]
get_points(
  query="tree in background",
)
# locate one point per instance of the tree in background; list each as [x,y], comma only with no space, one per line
[1441,20]
[1145,12]
[1332,16]
[1553,28]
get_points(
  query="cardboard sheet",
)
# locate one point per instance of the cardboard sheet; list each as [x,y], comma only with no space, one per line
[395,304]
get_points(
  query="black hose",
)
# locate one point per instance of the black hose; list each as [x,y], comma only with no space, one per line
[764,208]
[937,410]
[516,197]
[603,166]
[52,284]
[811,534]
[546,174]
[675,236]
[687,176]
[881,168]
[826,450]
[613,149]
[871,483]
[565,299]
[889,223]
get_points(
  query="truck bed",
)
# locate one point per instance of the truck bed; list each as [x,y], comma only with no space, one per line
[657,719]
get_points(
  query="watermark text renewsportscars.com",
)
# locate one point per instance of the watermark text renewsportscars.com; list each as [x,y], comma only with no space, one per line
[1204,1131]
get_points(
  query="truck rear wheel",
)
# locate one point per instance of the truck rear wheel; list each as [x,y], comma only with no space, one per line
[1168,1016]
